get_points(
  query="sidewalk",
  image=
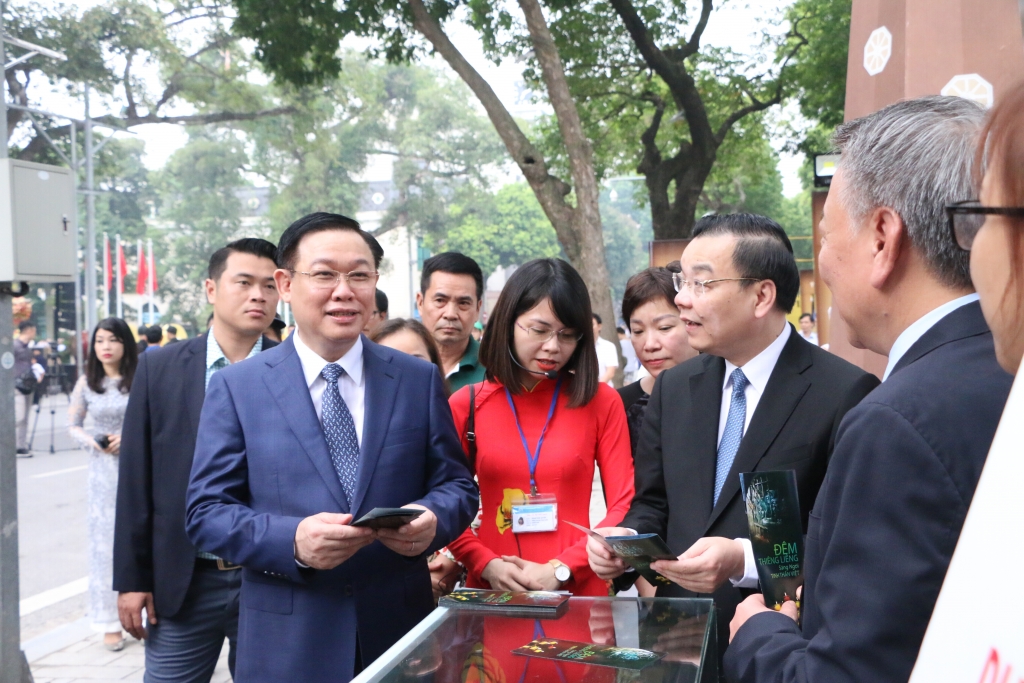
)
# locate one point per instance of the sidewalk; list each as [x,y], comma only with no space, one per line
[74,654]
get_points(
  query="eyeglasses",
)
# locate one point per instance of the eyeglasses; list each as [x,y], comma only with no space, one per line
[329,279]
[699,287]
[966,218]
[536,334]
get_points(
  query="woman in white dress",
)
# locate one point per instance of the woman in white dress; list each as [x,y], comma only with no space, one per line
[102,393]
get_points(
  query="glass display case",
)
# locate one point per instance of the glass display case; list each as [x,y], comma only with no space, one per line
[467,646]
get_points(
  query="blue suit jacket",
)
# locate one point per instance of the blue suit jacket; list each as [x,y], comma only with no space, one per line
[262,465]
[882,532]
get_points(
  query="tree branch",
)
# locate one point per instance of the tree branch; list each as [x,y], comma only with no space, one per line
[693,44]
[650,52]
[195,119]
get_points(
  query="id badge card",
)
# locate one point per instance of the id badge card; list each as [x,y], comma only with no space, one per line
[535,513]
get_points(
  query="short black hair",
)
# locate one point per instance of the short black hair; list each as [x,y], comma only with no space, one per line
[598,318]
[648,285]
[763,252]
[319,221]
[246,245]
[171,329]
[154,334]
[455,263]
[619,329]
[553,279]
[807,315]
[381,301]
[26,325]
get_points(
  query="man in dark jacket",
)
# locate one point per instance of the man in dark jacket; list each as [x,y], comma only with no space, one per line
[190,597]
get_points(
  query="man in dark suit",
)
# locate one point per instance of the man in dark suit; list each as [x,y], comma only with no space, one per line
[759,398]
[190,597]
[908,458]
[314,434]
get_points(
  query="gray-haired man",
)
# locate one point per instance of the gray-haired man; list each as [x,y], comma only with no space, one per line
[907,459]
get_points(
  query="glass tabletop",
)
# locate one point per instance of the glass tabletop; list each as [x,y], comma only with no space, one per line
[465,646]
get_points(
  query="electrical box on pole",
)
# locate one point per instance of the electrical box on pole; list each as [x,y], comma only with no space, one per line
[38,231]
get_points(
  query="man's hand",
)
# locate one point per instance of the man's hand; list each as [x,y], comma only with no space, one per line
[602,561]
[413,538]
[129,611]
[114,447]
[443,574]
[541,574]
[507,576]
[325,540]
[705,566]
[754,604]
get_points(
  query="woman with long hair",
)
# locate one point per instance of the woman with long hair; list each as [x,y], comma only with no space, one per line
[408,336]
[542,422]
[992,228]
[102,393]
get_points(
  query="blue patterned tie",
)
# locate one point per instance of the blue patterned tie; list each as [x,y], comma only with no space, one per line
[340,431]
[733,433]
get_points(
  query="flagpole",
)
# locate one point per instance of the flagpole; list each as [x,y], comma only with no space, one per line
[140,287]
[152,283]
[120,279]
[106,275]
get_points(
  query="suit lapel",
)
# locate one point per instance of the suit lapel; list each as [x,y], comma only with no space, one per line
[380,380]
[287,384]
[966,321]
[195,381]
[705,405]
[786,386]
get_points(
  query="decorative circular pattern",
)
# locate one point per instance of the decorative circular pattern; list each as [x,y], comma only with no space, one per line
[970,87]
[877,51]
[377,198]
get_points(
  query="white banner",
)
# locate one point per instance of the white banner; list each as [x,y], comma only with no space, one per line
[976,634]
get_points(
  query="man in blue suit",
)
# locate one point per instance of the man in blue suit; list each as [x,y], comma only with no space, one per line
[908,457]
[311,435]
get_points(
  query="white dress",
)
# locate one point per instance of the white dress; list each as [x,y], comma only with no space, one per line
[107,411]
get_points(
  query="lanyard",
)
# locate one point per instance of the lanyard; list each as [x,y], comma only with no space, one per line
[534,458]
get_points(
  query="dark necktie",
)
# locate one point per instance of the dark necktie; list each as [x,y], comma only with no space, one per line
[340,431]
[733,433]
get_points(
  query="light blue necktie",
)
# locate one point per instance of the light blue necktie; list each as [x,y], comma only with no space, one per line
[340,431]
[733,433]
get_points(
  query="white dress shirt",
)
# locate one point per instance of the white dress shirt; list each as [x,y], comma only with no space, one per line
[351,384]
[758,371]
[899,348]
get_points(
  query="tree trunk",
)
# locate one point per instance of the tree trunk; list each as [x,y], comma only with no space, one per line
[578,227]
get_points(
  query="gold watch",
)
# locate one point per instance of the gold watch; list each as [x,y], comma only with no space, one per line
[562,571]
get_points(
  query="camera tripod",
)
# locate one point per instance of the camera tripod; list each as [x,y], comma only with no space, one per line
[53,384]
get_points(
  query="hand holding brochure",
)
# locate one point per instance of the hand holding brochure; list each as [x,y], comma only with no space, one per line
[776,534]
[636,551]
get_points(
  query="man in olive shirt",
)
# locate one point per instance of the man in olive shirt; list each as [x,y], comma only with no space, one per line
[451,292]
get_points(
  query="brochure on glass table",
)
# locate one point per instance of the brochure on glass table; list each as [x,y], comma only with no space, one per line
[636,551]
[536,604]
[589,653]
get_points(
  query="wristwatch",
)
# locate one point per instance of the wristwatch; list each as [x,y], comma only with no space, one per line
[562,572]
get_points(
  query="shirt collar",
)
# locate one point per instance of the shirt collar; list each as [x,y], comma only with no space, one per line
[313,364]
[759,368]
[917,330]
[471,356]
[214,353]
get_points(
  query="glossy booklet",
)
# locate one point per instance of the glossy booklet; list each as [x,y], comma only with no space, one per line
[589,653]
[515,603]
[636,551]
[776,533]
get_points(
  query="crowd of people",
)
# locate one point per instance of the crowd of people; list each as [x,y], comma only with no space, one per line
[226,469]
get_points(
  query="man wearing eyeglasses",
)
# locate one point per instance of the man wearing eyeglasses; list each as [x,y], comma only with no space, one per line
[907,459]
[758,398]
[317,433]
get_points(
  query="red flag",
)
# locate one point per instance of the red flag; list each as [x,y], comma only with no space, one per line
[140,283]
[106,261]
[122,267]
[152,265]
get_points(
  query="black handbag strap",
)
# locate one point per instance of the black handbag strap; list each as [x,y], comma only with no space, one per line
[471,428]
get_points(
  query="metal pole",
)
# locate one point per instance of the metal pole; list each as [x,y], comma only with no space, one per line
[13,667]
[151,275]
[90,223]
[106,269]
[120,281]
[79,359]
